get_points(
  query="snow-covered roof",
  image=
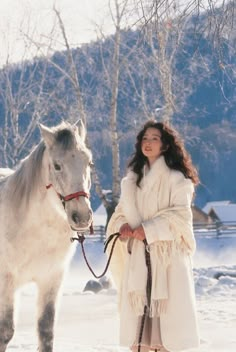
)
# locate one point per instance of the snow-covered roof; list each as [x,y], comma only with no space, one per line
[225,212]
[100,216]
[210,205]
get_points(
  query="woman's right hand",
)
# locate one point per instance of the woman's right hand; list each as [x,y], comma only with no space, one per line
[125,231]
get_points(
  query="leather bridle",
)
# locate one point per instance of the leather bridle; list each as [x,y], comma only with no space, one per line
[69,197]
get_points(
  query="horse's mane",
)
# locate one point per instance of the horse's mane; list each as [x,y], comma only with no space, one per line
[27,177]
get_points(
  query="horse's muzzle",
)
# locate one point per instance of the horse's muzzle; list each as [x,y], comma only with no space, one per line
[80,222]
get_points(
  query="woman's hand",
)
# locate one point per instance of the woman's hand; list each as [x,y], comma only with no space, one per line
[139,233]
[125,231]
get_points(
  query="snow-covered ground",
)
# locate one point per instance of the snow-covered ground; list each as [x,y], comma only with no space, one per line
[89,322]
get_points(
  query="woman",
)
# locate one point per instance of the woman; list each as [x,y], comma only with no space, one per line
[154,212]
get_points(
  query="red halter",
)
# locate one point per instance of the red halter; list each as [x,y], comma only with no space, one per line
[71,196]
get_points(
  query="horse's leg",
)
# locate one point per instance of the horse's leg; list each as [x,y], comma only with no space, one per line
[47,297]
[6,309]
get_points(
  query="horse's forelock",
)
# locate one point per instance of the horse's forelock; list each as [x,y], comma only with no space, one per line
[65,138]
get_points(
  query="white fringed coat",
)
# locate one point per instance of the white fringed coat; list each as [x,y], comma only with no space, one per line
[163,206]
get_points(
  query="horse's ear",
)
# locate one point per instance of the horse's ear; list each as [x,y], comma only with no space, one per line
[81,129]
[47,134]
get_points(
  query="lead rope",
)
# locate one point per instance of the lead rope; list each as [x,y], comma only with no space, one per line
[148,293]
[81,238]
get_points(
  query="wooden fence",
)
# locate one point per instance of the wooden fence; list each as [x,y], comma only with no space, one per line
[216,229]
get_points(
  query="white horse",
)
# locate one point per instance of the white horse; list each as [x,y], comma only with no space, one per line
[40,204]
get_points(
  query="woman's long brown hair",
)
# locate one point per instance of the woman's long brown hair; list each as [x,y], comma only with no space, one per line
[174,152]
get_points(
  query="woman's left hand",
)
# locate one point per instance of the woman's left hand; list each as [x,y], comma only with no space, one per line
[139,233]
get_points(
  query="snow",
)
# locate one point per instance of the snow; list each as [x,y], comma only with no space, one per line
[89,322]
[211,205]
[225,213]
[99,216]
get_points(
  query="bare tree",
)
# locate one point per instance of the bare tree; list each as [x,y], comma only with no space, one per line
[117,17]
[113,80]
[212,19]
[24,101]
[28,93]
[164,37]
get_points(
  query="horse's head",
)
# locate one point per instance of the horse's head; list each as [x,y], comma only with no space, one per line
[69,170]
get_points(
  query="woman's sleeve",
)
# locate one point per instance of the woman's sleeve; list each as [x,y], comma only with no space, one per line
[176,219]
[118,218]
[116,221]
[120,250]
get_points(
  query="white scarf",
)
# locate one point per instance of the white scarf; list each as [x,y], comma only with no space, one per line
[161,252]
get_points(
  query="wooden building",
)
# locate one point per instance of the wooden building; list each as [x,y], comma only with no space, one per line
[200,217]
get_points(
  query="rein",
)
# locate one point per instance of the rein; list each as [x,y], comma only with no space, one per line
[81,238]
[148,294]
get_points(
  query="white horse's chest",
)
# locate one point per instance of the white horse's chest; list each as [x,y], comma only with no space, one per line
[40,243]
[39,257]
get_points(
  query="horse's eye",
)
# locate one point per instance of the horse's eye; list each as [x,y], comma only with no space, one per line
[91,164]
[57,167]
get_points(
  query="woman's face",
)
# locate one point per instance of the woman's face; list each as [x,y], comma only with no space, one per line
[151,144]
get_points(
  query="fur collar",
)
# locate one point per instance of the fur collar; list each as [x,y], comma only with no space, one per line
[158,168]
